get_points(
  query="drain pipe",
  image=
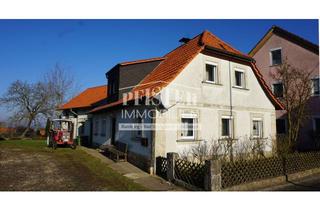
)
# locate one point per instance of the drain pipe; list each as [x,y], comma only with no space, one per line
[231,118]
[230,93]
[76,122]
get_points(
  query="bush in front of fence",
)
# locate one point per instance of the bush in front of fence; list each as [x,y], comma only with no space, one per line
[219,175]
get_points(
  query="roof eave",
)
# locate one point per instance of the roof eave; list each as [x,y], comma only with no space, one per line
[233,55]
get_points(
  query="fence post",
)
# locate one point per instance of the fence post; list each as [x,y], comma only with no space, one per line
[212,180]
[171,157]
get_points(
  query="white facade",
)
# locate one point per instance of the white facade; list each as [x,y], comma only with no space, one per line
[207,103]
[212,103]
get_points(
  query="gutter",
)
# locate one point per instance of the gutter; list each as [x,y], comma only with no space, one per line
[76,123]
[225,53]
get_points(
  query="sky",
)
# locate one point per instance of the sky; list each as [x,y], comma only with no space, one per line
[89,48]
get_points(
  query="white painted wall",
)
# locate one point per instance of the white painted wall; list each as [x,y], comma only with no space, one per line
[213,101]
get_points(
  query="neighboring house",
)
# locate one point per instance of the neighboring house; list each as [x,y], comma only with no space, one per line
[201,91]
[78,107]
[276,46]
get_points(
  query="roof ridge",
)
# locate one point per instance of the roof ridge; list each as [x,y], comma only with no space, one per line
[95,87]
[183,44]
[219,39]
[142,60]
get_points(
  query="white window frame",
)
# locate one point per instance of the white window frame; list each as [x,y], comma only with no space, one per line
[230,118]
[270,53]
[312,81]
[189,116]
[215,74]
[260,135]
[243,79]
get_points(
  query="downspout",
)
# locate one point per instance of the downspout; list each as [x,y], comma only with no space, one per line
[231,117]
[76,123]
[230,95]
[152,144]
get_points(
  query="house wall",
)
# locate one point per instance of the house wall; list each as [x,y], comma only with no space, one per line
[137,154]
[211,102]
[298,57]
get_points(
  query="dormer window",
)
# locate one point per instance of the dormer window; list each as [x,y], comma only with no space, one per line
[276,56]
[112,87]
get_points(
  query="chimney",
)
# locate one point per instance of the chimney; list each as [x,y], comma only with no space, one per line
[184,40]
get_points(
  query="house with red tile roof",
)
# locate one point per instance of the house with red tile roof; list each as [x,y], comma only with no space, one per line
[203,91]
[78,107]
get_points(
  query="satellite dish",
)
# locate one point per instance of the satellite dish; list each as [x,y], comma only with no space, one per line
[161,100]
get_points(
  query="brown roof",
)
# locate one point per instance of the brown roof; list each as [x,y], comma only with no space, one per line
[176,60]
[87,98]
[288,36]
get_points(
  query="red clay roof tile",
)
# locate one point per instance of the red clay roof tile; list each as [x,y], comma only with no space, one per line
[176,60]
[86,98]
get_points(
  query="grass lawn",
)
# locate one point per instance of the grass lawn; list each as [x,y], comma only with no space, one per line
[30,165]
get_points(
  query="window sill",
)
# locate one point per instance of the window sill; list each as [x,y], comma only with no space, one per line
[137,138]
[275,65]
[211,83]
[225,138]
[240,88]
[189,140]
[258,138]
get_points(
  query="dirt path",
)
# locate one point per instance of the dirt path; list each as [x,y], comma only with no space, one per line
[42,169]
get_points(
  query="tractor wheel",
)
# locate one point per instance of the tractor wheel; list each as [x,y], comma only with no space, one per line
[49,142]
[54,145]
[73,145]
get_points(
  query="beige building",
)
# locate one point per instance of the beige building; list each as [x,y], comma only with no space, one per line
[202,91]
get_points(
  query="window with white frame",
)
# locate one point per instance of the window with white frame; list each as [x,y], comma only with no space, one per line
[316,125]
[239,78]
[315,87]
[103,129]
[257,128]
[226,126]
[96,127]
[211,73]
[278,89]
[275,56]
[188,126]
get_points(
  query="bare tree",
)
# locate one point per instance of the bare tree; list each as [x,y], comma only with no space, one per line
[26,101]
[31,104]
[61,83]
[61,86]
[296,94]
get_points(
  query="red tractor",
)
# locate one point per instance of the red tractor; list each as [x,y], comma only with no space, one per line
[60,132]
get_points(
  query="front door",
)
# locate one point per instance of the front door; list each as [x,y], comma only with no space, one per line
[113,130]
